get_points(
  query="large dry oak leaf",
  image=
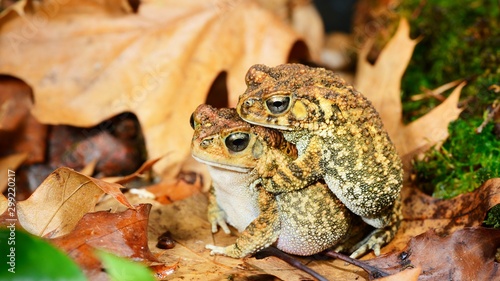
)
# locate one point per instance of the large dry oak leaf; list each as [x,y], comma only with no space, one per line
[381,83]
[90,60]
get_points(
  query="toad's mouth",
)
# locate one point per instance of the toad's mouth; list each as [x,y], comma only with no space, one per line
[268,125]
[223,166]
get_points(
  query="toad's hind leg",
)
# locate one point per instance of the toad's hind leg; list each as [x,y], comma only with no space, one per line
[380,236]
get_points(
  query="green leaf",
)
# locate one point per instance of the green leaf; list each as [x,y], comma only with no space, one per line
[122,269]
[27,257]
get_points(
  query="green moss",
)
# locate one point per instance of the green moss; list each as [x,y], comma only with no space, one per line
[463,163]
[459,40]
[493,218]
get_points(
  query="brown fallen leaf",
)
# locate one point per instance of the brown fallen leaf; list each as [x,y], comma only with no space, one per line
[20,132]
[466,254]
[146,166]
[422,213]
[3,205]
[61,200]
[123,234]
[11,162]
[168,190]
[116,144]
[89,169]
[411,274]
[381,83]
[158,63]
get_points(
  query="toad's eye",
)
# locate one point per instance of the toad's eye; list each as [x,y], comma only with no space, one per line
[237,142]
[191,120]
[278,105]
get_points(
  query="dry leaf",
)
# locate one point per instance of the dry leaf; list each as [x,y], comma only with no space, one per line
[89,169]
[3,203]
[61,200]
[407,275]
[123,234]
[11,162]
[422,213]
[146,166]
[158,63]
[115,143]
[303,17]
[466,254]
[307,22]
[20,132]
[168,191]
[381,83]
[15,101]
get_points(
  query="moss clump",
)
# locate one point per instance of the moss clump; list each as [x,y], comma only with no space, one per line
[463,163]
[493,218]
[460,40]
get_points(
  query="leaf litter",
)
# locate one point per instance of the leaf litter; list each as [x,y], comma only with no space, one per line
[187,219]
[61,200]
[122,233]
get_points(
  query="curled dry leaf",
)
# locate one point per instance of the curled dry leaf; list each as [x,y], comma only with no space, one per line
[144,168]
[381,83]
[123,234]
[61,200]
[158,63]
[466,254]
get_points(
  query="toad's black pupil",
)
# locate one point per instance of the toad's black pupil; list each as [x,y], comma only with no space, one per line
[278,105]
[237,142]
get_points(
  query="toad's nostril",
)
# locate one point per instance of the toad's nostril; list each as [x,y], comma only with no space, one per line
[248,102]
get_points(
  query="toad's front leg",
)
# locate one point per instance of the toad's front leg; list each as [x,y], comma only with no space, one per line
[216,216]
[261,233]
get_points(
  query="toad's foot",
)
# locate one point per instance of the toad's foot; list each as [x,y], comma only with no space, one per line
[215,250]
[380,236]
[230,251]
[218,218]
[374,242]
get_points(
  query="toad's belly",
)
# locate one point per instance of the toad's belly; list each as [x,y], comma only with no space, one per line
[312,220]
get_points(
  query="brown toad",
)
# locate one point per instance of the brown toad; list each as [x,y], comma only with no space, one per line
[339,136]
[302,222]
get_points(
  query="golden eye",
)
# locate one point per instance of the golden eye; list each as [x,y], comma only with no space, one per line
[278,104]
[237,142]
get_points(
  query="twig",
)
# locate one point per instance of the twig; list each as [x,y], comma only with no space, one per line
[371,270]
[489,117]
[271,251]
